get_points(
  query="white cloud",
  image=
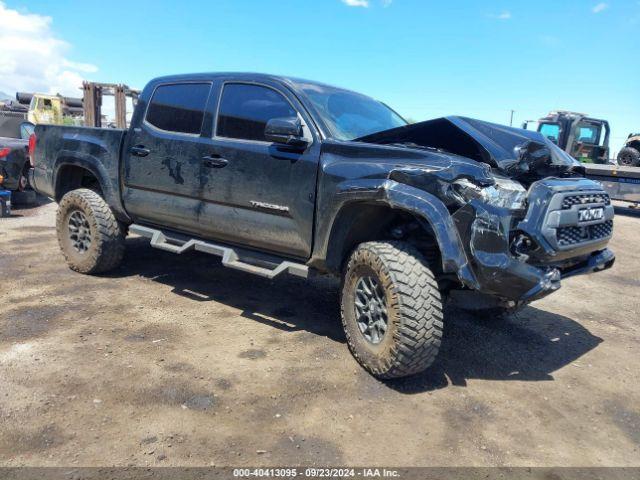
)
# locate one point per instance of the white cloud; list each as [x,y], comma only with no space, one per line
[506,15]
[356,3]
[601,7]
[386,3]
[34,59]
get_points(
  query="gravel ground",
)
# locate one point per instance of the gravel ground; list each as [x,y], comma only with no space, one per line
[177,361]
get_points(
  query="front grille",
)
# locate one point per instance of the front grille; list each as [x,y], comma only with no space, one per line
[553,221]
[576,234]
[584,198]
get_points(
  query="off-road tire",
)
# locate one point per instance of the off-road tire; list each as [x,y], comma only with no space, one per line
[414,309]
[629,157]
[107,235]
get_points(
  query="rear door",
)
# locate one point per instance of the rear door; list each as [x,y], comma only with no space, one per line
[257,193]
[163,157]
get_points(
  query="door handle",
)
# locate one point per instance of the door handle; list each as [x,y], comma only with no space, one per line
[139,151]
[214,161]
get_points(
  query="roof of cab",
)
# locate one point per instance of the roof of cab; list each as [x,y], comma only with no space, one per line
[237,75]
[293,82]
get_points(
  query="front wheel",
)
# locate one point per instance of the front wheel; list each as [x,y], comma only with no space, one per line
[391,309]
[90,237]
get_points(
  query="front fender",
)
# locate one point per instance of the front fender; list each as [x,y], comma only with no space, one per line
[423,205]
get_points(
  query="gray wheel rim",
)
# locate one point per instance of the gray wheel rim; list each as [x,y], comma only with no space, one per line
[371,309]
[79,231]
[626,159]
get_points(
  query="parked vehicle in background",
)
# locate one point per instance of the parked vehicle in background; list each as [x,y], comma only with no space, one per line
[279,175]
[585,139]
[53,109]
[629,155]
[15,144]
[45,108]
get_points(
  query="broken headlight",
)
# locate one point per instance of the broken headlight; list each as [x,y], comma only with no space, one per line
[504,193]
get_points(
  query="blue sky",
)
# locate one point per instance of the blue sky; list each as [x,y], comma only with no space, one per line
[425,58]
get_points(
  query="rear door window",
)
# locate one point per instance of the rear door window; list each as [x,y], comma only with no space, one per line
[245,110]
[179,107]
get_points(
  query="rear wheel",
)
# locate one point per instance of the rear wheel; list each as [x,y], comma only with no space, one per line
[629,157]
[90,237]
[391,309]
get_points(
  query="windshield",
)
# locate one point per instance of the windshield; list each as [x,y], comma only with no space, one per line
[349,115]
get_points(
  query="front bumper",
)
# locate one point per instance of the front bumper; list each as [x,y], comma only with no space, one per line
[524,257]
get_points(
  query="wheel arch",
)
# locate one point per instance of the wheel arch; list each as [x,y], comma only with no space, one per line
[364,216]
[70,176]
[357,222]
[74,170]
[635,143]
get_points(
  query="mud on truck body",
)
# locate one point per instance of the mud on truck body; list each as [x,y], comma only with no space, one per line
[279,175]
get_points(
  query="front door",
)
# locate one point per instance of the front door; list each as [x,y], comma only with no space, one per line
[162,170]
[256,193]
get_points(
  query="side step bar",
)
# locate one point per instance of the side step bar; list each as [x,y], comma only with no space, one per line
[231,257]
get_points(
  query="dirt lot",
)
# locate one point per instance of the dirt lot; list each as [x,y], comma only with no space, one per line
[176,361]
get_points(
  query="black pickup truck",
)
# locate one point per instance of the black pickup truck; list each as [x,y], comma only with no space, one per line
[279,175]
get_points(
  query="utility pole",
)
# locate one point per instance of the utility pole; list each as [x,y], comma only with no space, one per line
[511,121]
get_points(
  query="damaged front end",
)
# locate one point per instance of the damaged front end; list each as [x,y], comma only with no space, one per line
[521,255]
[538,221]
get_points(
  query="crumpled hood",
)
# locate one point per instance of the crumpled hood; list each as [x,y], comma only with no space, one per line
[513,150]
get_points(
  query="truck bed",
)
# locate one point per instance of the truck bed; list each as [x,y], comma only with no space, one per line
[56,144]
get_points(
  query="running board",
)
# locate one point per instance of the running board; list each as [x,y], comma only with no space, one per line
[231,257]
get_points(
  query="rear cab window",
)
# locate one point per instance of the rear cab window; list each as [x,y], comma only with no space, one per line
[245,110]
[178,108]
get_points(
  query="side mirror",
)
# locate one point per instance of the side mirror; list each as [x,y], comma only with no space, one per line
[286,131]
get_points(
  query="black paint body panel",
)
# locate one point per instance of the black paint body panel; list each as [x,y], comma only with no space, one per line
[292,203]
